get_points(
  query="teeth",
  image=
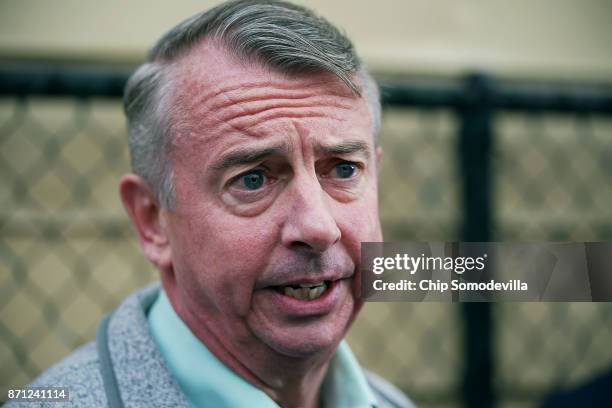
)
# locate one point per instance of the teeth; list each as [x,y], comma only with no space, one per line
[316,292]
[306,291]
[311,285]
[303,293]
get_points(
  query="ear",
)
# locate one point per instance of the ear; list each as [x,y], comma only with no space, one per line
[379,158]
[148,218]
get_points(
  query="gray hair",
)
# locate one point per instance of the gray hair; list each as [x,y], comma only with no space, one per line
[283,36]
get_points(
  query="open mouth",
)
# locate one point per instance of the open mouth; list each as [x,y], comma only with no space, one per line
[305,291]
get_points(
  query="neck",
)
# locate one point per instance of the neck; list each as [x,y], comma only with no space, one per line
[289,381]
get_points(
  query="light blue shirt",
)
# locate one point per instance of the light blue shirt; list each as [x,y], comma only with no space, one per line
[207,382]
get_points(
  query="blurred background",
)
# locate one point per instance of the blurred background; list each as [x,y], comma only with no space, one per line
[497,126]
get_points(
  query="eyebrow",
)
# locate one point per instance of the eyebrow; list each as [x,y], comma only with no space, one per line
[247,156]
[351,146]
[243,157]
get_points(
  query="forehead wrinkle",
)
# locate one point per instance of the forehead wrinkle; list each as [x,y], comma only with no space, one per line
[265,103]
[255,92]
[265,99]
[202,126]
[228,106]
[241,117]
[195,117]
[248,121]
[204,74]
[201,92]
[242,111]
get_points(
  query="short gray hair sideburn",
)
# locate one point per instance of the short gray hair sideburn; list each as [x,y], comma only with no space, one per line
[286,37]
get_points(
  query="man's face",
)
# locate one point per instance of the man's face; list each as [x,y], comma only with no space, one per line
[276,187]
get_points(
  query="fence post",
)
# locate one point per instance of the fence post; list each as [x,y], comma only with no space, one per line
[474,152]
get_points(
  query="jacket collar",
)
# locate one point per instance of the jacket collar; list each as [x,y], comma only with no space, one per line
[142,376]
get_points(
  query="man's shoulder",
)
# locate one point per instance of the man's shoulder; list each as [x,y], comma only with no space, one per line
[387,395]
[79,372]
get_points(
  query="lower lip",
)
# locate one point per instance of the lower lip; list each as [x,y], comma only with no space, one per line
[303,308]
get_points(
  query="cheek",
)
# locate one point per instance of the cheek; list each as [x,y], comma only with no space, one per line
[242,252]
[360,223]
[223,256]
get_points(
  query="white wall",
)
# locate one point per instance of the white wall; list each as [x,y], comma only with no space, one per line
[545,38]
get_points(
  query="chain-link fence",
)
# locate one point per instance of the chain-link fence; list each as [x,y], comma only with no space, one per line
[553,182]
[469,160]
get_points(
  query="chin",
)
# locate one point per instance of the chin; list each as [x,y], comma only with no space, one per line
[303,345]
[307,339]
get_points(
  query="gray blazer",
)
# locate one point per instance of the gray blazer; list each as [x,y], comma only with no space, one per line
[123,367]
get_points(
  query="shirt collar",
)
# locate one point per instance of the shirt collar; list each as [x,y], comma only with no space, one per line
[206,381]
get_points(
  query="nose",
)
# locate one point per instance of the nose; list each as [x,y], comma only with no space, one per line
[310,224]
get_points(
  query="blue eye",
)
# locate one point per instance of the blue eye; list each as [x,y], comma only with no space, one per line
[345,169]
[253,180]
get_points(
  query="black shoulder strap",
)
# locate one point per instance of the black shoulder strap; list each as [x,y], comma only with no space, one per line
[106,365]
